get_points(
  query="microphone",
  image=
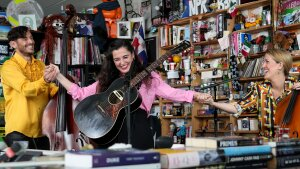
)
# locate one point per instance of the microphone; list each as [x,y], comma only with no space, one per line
[11,152]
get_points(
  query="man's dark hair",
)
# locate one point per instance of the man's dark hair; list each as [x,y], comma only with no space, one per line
[17,32]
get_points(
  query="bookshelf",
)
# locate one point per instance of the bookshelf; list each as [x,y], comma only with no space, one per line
[197,121]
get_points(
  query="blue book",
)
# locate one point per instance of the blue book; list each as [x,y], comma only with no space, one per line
[106,157]
[247,150]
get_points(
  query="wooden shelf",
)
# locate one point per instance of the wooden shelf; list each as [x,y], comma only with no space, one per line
[254,4]
[183,21]
[211,14]
[210,69]
[256,55]
[248,115]
[212,116]
[246,132]
[209,42]
[243,79]
[290,27]
[167,47]
[176,117]
[212,56]
[254,29]
[212,131]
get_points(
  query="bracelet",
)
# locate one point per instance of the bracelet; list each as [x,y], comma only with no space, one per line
[239,110]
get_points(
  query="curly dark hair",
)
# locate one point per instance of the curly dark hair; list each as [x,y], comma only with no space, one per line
[109,72]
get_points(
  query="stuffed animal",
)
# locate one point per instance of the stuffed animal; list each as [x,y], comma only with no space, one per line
[282,40]
[111,11]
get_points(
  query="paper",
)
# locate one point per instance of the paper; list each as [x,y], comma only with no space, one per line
[224,42]
[28,20]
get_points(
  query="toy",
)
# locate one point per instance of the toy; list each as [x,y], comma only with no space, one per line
[110,11]
[282,40]
[53,27]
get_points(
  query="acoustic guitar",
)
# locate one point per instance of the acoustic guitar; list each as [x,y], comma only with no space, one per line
[101,116]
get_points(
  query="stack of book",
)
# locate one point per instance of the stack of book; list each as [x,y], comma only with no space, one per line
[191,158]
[239,151]
[106,158]
[286,153]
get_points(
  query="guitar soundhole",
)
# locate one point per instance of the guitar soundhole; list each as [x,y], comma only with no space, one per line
[116,97]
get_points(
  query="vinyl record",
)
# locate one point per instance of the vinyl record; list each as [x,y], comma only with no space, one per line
[24,7]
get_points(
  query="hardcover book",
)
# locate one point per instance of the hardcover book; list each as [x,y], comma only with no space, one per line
[284,142]
[247,150]
[106,158]
[218,142]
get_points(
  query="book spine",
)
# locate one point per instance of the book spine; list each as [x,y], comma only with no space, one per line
[217,154]
[180,160]
[234,159]
[285,143]
[235,143]
[125,159]
[247,150]
[284,161]
[283,151]
[257,164]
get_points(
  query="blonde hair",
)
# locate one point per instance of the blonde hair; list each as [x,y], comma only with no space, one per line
[282,56]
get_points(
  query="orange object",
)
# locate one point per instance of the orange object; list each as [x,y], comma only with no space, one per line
[111,17]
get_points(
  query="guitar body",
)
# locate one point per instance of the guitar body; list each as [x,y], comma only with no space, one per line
[101,116]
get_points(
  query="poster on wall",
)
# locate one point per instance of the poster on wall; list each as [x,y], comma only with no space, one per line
[145,11]
[135,25]
[28,20]
[124,30]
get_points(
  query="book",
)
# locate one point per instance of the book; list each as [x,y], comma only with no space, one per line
[178,158]
[284,161]
[171,158]
[3,32]
[136,166]
[284,142]
[247,150]
[242,165]
[284,151]
[259,157]
[218,142]
[106,157]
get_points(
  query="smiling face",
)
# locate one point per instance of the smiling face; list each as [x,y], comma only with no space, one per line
[123,59]
[271,68]
[25,45]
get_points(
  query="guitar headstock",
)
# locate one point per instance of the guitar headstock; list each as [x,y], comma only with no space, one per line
[184,45]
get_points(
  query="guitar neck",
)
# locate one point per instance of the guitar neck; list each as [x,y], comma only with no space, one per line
[139,77]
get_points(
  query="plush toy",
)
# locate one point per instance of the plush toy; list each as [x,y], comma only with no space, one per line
[282,40]
[105,26]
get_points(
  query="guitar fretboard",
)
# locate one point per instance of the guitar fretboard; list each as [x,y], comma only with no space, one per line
[139,77]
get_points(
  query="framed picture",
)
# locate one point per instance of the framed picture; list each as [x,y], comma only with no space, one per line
[136,24]
[28,20]
[123,30]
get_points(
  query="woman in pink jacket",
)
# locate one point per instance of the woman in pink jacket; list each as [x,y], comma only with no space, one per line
[120,58]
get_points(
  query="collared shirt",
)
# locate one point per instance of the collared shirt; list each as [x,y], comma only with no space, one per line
[260,100]
[148,93]
[26,95]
